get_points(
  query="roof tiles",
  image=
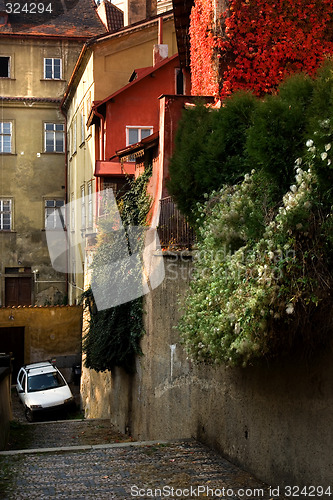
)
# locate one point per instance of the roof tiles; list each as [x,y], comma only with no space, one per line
[61,18]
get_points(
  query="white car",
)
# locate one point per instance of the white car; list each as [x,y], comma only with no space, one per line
[41,387]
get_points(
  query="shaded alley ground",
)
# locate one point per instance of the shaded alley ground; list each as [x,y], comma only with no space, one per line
[88,459]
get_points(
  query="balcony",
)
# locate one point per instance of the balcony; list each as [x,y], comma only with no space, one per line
[113,167]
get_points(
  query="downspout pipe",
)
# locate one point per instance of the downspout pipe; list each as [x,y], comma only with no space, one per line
[101,152]
[160,31]
[101,147]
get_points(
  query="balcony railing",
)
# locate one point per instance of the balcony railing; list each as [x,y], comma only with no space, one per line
[174,231]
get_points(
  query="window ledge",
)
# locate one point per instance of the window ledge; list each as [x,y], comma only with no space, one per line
[8,154]
[52,80]
[53,153]
[7,78]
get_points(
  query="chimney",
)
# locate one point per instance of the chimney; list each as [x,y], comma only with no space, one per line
[138,10]
[160,51]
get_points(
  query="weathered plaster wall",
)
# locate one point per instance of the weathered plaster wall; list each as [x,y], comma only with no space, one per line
[49,332]
[274,420]
[95,393]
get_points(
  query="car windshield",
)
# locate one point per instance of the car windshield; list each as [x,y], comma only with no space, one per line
[45,381]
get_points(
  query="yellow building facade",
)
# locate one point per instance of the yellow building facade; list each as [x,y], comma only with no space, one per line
[36,61]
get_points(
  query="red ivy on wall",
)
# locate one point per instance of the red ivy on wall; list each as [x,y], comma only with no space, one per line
[258,43]
[204,76]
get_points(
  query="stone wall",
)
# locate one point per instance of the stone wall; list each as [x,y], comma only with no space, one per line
[274,421]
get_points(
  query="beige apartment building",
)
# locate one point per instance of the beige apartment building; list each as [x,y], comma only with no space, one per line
[37,55]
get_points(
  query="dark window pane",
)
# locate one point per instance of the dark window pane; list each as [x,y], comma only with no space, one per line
[4,67]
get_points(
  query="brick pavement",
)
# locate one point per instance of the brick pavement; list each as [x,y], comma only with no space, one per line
[126,471]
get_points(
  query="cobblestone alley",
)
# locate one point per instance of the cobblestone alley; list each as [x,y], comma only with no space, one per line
[89,460]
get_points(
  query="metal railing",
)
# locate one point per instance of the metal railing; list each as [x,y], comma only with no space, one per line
[174,231]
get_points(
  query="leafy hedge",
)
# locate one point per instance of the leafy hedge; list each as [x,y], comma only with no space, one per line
[263,271]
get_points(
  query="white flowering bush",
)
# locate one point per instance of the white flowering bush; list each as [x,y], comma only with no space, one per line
[262,278]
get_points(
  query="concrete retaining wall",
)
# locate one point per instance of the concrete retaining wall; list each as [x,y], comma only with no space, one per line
[274,421]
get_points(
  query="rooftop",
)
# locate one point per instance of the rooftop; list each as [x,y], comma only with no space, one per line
[60,18]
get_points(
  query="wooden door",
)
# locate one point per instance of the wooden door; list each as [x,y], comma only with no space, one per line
[18,291]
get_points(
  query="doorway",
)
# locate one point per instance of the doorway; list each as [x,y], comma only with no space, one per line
[12,341]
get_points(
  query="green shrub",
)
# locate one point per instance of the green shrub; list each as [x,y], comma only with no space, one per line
[209,151]
[263,270]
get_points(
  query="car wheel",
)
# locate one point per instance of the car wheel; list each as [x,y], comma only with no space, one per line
[29,415]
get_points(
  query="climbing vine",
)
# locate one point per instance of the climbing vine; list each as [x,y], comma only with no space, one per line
[258,43]
[114,333]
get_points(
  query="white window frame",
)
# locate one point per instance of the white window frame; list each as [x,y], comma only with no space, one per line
[2,212]
[83,207]
[54,133]
[51,219]
[52,77]
[82,128]
[131,158]
[73,130]
[72,214]
[90,218]
[2,135]
[139,129]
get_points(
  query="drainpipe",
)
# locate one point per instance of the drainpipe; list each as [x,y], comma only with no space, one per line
[160,30]
[101,154]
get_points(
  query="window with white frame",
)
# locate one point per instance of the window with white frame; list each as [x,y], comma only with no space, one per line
[73,139]
[83,208]
[136,134]
[52,68]
[72,220]
[54,136]
[90,205]
[53,214]
[6,137]
[5,214]
[82,127]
